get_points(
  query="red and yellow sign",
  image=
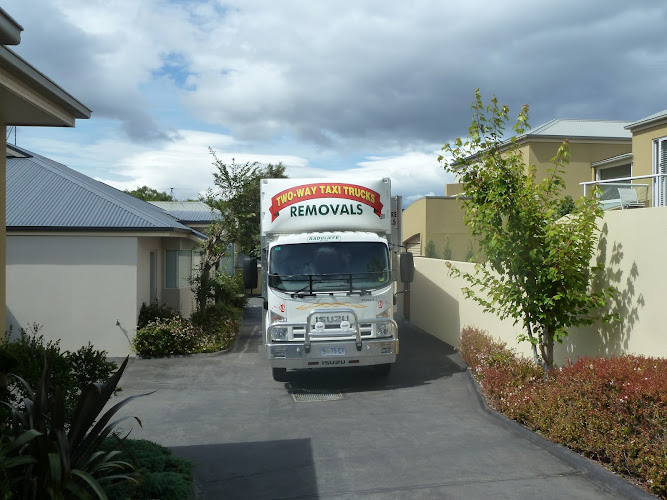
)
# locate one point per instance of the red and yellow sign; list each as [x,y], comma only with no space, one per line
[325,190]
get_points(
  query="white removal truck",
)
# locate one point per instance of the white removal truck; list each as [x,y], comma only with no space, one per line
[326,274]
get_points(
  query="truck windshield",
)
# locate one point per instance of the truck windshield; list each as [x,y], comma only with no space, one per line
[326,267]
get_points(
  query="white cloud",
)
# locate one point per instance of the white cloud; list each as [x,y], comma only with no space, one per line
[184,164]
[413,175]
[324,82]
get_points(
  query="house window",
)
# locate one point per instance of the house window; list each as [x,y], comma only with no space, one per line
[153,277]
[178,265]
[660,167]
[617,172]
[226,262]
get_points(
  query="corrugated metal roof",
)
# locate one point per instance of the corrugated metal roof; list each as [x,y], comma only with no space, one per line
[577,128]
[188,211]
[42,193]
[560,129]
[660,116]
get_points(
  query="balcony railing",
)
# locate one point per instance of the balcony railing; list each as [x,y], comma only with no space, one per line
[624,192]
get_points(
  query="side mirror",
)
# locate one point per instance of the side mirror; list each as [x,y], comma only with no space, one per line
[250,273]
[407,264]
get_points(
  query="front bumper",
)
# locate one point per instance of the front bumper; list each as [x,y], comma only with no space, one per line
[293,355]
[345,348]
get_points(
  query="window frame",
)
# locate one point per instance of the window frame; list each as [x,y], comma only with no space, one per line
[175,276]
[660,185]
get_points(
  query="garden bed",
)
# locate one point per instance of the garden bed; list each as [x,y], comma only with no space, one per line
[612,410]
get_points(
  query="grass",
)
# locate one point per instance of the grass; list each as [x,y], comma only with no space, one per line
[612,410]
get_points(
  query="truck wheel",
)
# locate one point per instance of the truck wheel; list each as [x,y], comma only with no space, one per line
[280,374]
[382,370]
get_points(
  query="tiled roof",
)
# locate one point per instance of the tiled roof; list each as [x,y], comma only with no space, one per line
[188,211]
[45,194]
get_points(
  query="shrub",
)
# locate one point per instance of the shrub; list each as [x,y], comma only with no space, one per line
[153,312]
[165,337]
[50,457]
[613,410]
[229,290]
[72,371]
[447,252]
[429,249]
[88,366]
[160,474]
[219,325]
[470,253]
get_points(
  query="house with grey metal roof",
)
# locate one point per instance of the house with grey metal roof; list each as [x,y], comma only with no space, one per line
[83,256]
[590,141]
[639,178]
[27,98]
[195,214]
[199,216]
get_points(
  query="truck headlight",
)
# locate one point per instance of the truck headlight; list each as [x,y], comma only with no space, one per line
[279,334]
[383,329]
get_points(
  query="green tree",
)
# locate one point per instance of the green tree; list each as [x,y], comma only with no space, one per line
[149,194]
[470,253]
[537,269]
[236,196]
[211,250]
[447,252]
[430,250]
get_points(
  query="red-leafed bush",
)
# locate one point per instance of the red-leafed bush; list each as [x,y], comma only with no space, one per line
[613,410]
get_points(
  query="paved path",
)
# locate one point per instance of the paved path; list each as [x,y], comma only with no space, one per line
[420,433]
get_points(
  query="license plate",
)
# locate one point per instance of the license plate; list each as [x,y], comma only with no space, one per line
[333,351]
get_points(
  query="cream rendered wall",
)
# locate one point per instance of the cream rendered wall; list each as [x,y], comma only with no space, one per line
[145,246]
[440,220]
[438,306]
[181,299]
[414,221]
[635,268]
[444,224]
[76,287]
[632,247]
[642,148]
[579,168]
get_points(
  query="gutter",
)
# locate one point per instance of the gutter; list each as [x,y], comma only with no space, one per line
[19,67]
[10,30]
[191,234]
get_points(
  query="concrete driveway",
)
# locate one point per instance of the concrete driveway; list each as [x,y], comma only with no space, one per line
[422,432]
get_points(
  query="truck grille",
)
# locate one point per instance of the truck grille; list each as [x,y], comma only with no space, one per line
[366,331]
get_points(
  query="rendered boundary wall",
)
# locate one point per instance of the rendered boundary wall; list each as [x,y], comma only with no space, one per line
[631,246]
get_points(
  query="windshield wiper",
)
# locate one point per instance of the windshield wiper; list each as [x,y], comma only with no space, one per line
[300,293]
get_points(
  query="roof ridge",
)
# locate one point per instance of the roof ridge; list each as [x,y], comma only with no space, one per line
[543,126]
[91,185]
[590,120]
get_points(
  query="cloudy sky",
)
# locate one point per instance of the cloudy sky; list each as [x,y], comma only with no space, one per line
[328,88]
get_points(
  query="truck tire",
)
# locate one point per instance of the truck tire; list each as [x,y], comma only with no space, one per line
[382,370]
[280,374]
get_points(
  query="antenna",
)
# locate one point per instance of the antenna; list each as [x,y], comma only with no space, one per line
[171,193]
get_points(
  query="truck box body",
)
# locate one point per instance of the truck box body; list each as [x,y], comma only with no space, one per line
[326,277]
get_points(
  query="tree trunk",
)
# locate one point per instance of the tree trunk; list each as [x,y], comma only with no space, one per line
[547,348]
[204,278]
